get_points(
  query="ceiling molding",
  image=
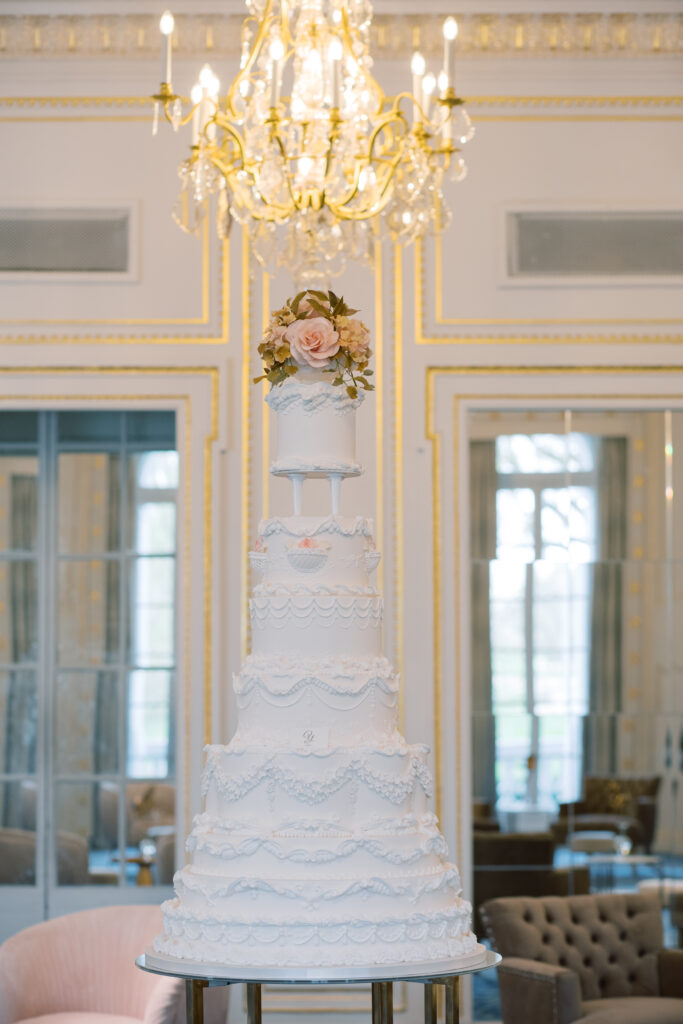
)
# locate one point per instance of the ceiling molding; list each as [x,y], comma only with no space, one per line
[612,35]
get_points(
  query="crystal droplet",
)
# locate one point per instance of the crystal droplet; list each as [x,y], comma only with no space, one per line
[463,129]
[176,114]
[155,118]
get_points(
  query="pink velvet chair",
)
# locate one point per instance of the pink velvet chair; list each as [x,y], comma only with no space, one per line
[80,969]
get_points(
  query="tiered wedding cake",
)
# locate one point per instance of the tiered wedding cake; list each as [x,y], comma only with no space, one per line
[316,847]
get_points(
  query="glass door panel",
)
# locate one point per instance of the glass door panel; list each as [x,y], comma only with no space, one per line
[87,656]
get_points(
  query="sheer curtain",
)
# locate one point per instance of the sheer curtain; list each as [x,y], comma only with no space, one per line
[600,736]
[483,483]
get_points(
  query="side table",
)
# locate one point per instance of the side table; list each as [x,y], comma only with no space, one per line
[197,977]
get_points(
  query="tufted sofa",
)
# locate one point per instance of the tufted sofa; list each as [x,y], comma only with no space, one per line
[594,959]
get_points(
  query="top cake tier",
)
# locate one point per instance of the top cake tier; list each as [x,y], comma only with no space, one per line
[316,421]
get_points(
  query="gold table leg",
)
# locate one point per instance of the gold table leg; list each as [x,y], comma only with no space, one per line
[194,1001]
[452,986]
[376,1002]
[430,1003]
[254,1003]
[386,1003]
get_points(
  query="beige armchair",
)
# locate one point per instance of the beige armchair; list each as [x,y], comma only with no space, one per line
[594,959]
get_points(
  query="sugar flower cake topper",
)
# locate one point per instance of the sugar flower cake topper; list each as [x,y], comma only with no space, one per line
[317,329]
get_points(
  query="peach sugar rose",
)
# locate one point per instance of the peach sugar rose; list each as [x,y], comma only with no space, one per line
[313,341]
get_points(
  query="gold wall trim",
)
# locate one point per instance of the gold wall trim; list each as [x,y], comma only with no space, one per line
[422,338]
[573,101]
[265,421]
[397,491]
[379,408]
[75,101]
[612,338]
[513,100]
[132,396]
[246,447]
[518,33]
[434,437]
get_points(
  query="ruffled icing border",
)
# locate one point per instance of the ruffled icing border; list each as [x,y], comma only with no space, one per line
[310,893]
[311,397]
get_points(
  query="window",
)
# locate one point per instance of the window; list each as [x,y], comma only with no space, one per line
[539,587]
[87,662]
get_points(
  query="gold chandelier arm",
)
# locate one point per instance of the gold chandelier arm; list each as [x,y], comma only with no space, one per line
[214,156]
[167,101]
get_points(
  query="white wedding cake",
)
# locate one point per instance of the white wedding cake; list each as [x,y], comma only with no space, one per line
[316,846]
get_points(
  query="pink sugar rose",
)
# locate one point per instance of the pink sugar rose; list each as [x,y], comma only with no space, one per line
[313,341]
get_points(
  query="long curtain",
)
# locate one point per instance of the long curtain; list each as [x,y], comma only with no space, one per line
[605,674]
[483,484]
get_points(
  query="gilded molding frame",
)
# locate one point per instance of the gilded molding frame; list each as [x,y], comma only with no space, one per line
[435,437]
[422,337]
[212,373]
[222,286]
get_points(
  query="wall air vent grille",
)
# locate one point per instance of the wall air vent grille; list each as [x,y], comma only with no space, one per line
[595,243]
[64,241]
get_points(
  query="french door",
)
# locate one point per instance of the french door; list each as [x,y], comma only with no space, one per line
[87,659]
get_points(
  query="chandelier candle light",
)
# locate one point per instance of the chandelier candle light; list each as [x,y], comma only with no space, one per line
[305,149]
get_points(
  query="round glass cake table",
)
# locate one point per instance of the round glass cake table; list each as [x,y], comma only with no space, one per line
[446,973]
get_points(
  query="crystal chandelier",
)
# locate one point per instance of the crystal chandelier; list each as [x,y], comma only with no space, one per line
[306,150]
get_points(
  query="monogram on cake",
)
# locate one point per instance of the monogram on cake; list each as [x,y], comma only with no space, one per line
[316,847]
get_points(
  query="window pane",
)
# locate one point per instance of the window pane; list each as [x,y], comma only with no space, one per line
[551,625]
[86,727]
[17,833]
[559,774]
[155,528]
[507,580]
[152,580]
[18,722]
[89,502]
[515,524]
[157,428]
[18,611]
[18,502]
[555,511]
[74,820]
[89,427]
[154,470]
[513,745]
[152,639]
[18,426]
[581,453]
[531,453]
[582,523]
[551,580]
[149,724]
[509,679]
[507,625]
[88,612]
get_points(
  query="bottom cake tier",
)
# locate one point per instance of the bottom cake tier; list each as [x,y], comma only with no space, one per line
[313,941]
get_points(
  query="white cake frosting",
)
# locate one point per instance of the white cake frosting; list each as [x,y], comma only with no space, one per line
[316,427]
[316,846]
